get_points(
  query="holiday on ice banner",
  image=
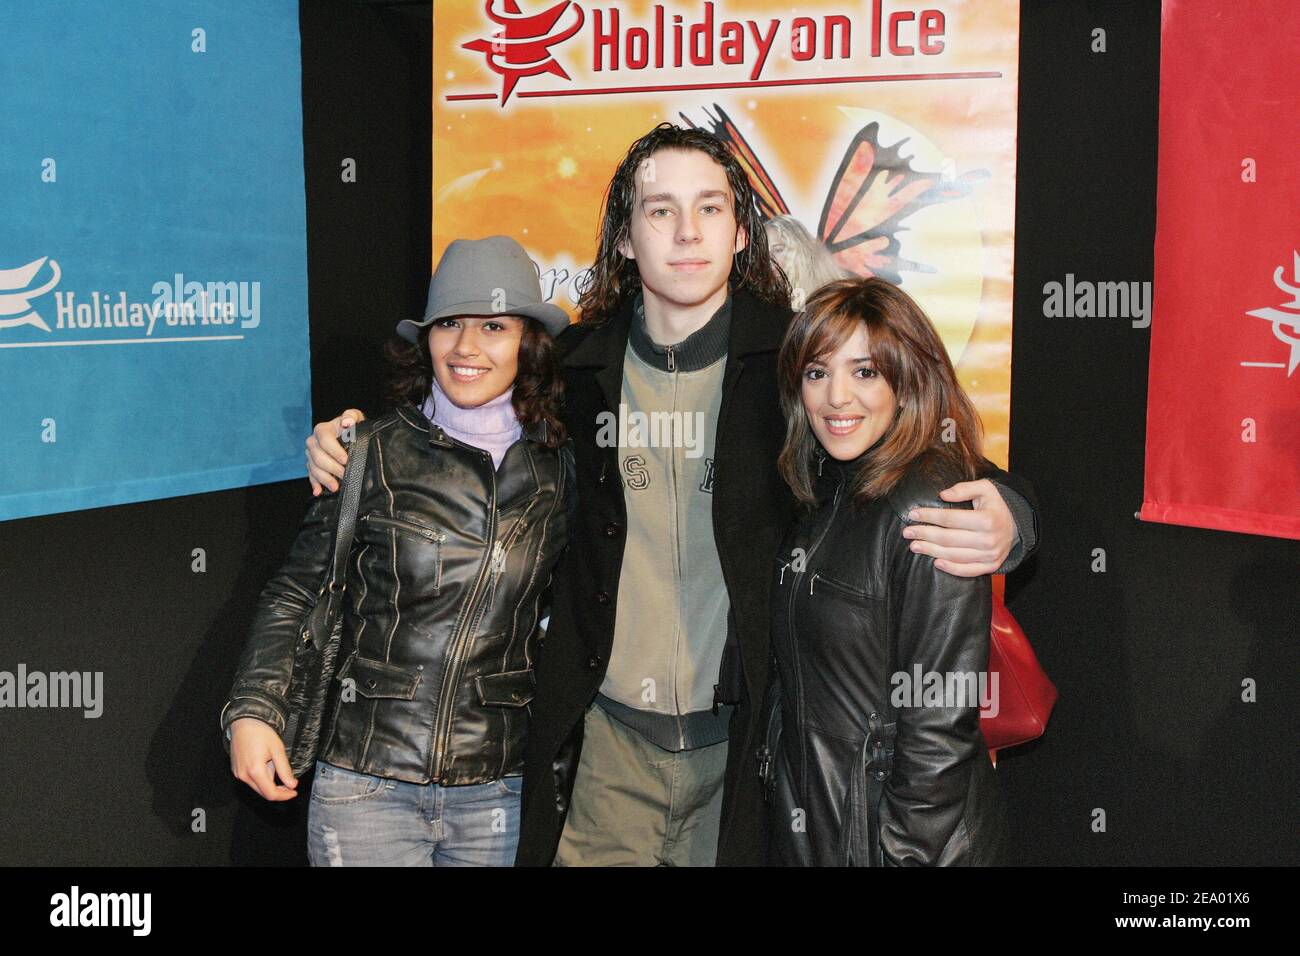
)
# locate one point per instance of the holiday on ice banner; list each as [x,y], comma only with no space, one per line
[888,129]
[153,275]
[1223,402]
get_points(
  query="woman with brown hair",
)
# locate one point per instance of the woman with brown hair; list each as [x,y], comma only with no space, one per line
[873,754]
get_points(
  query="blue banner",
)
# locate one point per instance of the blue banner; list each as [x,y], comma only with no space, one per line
[153,261]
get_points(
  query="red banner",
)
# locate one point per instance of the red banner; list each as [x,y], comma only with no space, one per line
[1223,404]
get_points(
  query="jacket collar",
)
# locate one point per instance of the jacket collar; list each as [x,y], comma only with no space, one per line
[698,350]
[516,480]
[415,418]
[755,327]
[829,473]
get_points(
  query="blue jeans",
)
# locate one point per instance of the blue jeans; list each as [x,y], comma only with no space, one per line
[358,819]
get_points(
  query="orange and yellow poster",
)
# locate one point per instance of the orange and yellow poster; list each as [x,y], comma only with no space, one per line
[888,129]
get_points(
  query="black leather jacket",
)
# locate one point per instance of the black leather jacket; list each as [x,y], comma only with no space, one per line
[448,564]
[852,606]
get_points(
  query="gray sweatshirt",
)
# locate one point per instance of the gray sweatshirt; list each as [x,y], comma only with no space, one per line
[671,624]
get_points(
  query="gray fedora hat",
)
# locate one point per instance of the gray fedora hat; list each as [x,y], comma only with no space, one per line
[491,276]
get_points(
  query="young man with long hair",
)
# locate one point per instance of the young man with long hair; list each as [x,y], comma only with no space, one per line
[656,656]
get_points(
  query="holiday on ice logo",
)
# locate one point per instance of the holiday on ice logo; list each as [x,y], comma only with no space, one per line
[179,306]
[523,43]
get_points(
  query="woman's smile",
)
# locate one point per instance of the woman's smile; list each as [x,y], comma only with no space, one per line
[467,373]
[842,425]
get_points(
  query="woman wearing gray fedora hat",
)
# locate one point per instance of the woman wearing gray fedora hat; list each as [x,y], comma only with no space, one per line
[465,490]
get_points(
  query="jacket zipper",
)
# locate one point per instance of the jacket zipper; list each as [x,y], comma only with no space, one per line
[516,532]
[450,674]
[499,552]
[673,493]
[834,585]
[794,641]
[767,753]
[413,527]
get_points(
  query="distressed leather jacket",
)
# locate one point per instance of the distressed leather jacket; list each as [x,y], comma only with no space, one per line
[449,562]
[852,780]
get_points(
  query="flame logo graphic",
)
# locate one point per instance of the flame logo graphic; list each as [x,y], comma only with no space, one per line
[1286,317]
[522,45]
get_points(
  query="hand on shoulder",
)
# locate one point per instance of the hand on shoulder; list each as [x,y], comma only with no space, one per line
[326,456]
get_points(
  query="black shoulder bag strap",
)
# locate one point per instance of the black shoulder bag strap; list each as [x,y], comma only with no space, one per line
[350,499]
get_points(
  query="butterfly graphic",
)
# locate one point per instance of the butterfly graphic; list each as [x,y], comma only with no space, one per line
[874,190]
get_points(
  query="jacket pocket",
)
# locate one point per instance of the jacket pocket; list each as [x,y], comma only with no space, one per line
[826,583]
[415,531]
[507,689]
[380,679]
[338,785]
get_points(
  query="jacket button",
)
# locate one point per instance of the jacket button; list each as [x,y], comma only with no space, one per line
[515,695]
[371,683]
[602,597]
[611,530]
[593,662]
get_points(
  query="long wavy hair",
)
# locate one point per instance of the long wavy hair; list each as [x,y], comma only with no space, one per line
[614,277]
[810,263]
[539,390]
[936,419]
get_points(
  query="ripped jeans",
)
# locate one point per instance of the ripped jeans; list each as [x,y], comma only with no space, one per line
[358,819]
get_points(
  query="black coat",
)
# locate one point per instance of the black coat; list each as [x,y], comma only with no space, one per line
[751,509]
[448,566]
[854,780]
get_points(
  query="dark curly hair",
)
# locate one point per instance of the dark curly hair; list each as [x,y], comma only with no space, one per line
[613,277]
[539,390]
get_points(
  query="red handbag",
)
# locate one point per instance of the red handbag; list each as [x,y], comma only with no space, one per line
[1026,694]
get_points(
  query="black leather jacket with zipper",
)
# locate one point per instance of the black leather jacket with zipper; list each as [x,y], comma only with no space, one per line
[449,563]
[852,780]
